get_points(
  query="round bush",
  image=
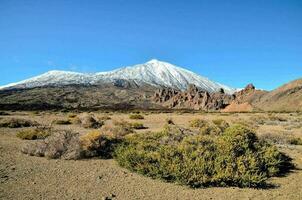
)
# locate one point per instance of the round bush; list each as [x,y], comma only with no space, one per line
[234,158]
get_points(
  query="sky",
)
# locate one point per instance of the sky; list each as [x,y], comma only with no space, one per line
[233,42]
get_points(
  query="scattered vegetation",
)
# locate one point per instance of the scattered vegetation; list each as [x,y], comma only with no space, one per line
[104,118]
[198,123]
[16,123]
[33,134]
[275,138]
[3,113]
[89,121]
[136,116]
[62,122]
[137,125]
[72,115]
[61,144]
[215,127]
[295,141]
[234,158]
[170,121]
[97,143]
[68,145]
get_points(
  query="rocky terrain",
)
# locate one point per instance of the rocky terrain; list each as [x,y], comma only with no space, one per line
[125,94]
[192,98]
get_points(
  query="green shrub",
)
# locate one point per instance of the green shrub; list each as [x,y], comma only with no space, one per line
[33,134]
[136,116]
[207,128]
[198,123]
[221,124]
[234,158]
[137,125]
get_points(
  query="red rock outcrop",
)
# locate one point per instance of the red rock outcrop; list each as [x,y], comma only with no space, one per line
[192,98]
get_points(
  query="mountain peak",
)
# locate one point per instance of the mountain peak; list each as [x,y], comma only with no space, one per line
[154,72]
[152,61]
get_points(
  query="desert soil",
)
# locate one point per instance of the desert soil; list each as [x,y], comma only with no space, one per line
[27,177]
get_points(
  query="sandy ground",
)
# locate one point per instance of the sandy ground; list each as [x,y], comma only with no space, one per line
[26,177]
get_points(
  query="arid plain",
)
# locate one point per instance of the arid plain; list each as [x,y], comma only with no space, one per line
[28,177]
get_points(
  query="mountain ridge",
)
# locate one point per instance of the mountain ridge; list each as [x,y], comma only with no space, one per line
[154,72]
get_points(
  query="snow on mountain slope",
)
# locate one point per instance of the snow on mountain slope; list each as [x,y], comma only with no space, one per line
[154,72]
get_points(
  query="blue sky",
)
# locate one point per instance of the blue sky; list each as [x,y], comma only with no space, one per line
[233,42]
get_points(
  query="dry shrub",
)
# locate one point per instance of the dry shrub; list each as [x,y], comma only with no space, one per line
[97,143]
[61,122]
[61,144]
[75,120]
[281,138]
[295,141]
[3,113]
[119,129]
[104,118]
[89,121]
[16,123]
[68,145]
[276,117]
[258,120]
[103,142]
[170,121]
[72,115]
[33,134]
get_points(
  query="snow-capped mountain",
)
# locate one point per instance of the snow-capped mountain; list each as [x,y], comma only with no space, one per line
[154,72]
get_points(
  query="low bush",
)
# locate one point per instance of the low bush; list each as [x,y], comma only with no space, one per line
[3,113]
[275,138]
[33,134]
[68,145]
[136,116]
[234,158]
[97,143]
[170,121]
[295,141]
[275,117]
[119,129]
[16,123]
[198,123]
[62,122]
[89,121]
[75,120]
[207,128]
[137,125]
[61,144]
[72,115]
[104,118]
[221,124]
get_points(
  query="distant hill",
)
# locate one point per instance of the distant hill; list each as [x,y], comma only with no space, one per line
[285,98]
[152,85]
